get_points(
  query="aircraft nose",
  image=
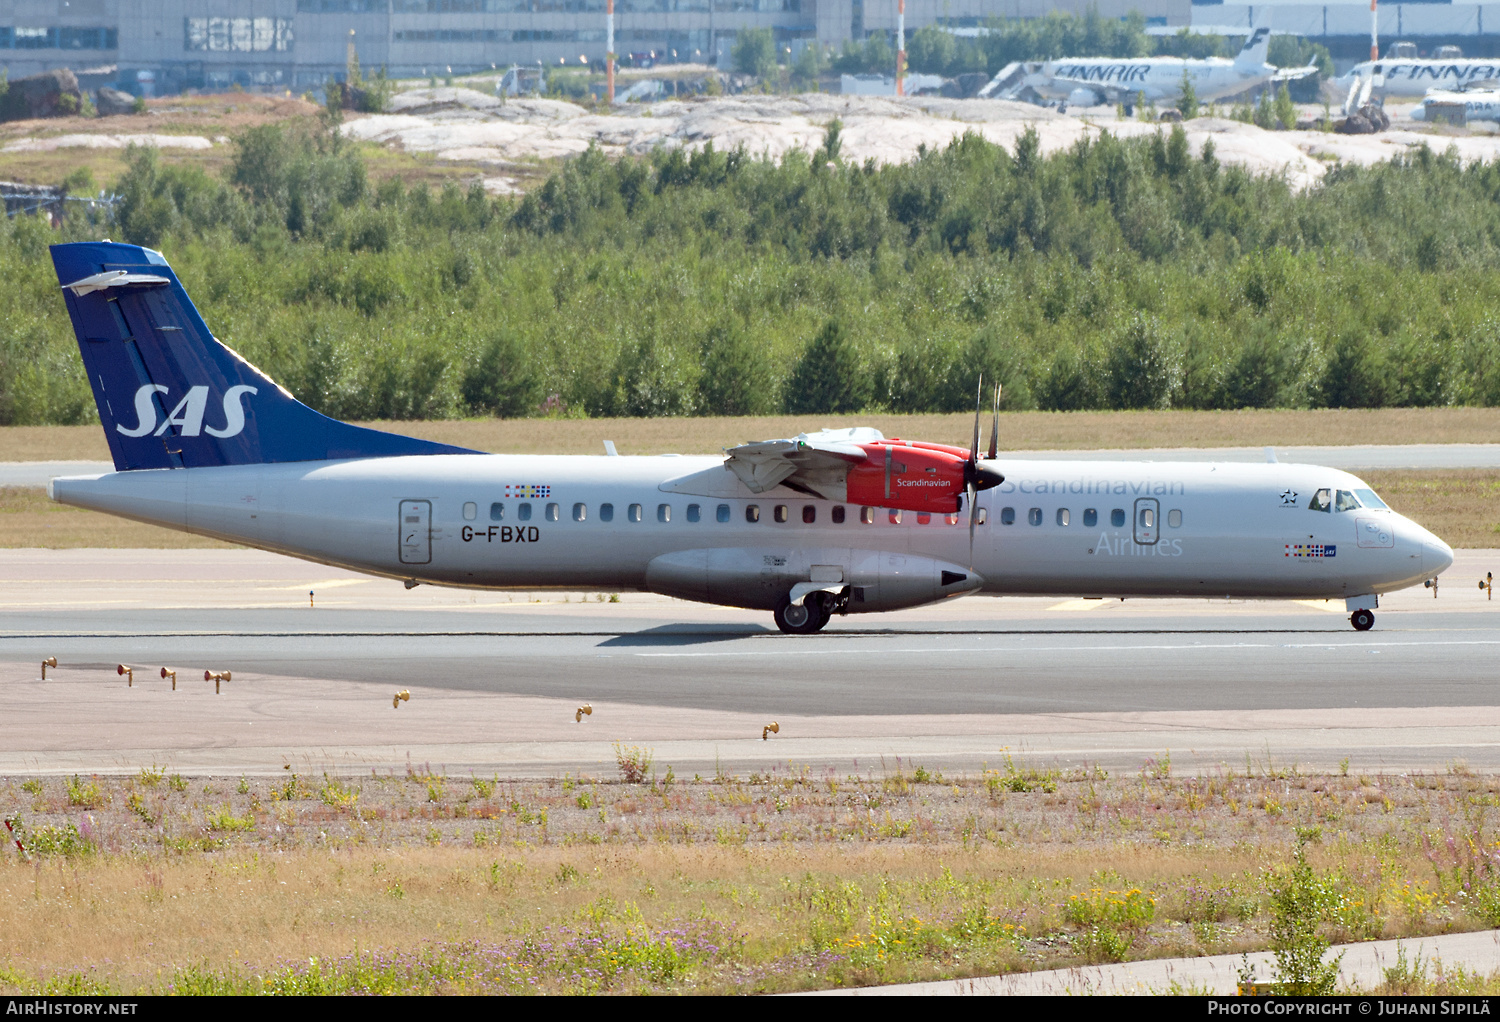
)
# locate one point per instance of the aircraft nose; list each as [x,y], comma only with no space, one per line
[1437,556]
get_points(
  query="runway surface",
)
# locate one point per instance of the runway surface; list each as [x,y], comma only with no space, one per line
[37,473]
[496,679]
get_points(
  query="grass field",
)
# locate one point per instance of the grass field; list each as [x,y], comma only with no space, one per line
[1461,506]
[426,883]
[1019,431]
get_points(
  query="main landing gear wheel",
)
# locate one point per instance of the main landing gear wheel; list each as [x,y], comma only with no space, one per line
[1362,620]
[802,619]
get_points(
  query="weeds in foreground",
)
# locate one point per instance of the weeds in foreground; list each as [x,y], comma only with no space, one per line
[1300,900]
[634,762]
[84,794]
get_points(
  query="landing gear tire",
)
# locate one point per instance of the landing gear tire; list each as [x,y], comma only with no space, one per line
[1362,620]
[801,619]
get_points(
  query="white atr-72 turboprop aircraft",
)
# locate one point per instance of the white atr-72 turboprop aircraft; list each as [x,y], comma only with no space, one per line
[839,522]
[1089,81]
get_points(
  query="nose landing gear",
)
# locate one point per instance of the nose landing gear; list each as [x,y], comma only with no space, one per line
[1362,620]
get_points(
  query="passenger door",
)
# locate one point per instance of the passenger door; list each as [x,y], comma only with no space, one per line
[415,531]
[1147,520]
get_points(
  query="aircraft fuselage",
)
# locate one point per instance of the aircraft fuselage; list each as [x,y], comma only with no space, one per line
[686,527]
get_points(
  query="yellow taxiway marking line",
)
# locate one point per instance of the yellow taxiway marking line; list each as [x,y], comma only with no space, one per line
[332,583]
[1077,605]
[1335,607]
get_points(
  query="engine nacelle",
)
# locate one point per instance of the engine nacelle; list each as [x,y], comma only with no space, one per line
[912,477]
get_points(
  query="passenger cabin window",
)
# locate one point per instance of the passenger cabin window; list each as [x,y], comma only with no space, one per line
[694,512]
[606,512]
[552,513]
[580,512]
[752,513]
[894,516]
[1344,500]
[951,519]
[523,511]
[838,514]
[1174,519]
[780,513]
[867,515]
[722,514]
[1034,516]
[471,511]
[664,513]
[809,514]
[982,517]
[1117,518]
[635,514]
[924,517]
[1090,517]
[1063,515]
[497,511]
[1368,499]
[1007,516]
[1148,518]
[1322,500]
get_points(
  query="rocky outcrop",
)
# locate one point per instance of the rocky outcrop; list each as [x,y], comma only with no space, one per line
[49,94]
[112,102]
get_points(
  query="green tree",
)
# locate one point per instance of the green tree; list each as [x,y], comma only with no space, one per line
[930,50]
[831,376]
[828,152]
[501,381]
[807,66]
[1356,375]
[754,52]
[1188,104]
[738,377]
[1265,113]
[1144,369]
[1286,110]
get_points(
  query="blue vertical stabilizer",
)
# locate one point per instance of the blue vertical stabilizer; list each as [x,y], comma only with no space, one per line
[170,394]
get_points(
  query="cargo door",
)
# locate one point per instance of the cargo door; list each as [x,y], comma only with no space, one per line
[415,531]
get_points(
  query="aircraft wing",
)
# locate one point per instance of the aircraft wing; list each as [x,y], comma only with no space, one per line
[815,463]
[1292,74]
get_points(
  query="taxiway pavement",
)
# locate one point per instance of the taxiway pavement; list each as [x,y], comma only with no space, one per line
[496,678]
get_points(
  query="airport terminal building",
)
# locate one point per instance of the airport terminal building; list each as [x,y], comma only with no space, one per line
[298,44]
[164,46]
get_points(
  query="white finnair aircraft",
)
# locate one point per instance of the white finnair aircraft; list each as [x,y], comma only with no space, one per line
[1090,81]
[1413,76]
[835,522]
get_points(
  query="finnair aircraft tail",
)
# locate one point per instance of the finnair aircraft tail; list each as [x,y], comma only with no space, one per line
[170,394]
[1253,54]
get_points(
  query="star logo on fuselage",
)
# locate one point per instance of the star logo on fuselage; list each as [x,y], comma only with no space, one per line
[1288,498]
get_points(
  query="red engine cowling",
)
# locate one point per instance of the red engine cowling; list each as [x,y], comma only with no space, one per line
[909,476]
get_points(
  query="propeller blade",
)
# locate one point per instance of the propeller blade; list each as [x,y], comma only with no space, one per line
[995,427]
[978,400]
[972,495]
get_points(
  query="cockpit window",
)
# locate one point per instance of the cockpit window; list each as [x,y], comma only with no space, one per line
[1368,499]
[1322,500]
[1345,501]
